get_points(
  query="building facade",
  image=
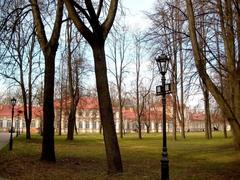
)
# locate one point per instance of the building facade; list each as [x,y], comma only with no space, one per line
[88,118]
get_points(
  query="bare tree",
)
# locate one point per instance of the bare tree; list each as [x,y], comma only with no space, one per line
[18,60]
[100,21]
[229,106]
[49,49]
[118,47]
[167,34]
[73,89]
[141,90]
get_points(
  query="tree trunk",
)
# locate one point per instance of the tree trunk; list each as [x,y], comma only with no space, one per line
[202,44]
[182,106]
[174,71]
[220,77]
[48,151]
[30,87]
[72,116]
[28,130]
[100,128]
[156,127]
[148,129]
[224,128]
[208,126]
[41,104]
[25,108]
[61,99]
[74,92]
[49,49]
[71,123]
[232,114]
[236,133]
[174,91]
[120,114]
[139,128]
[25,111]
[106,112]
[60,113]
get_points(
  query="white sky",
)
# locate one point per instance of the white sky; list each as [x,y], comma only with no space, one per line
[135,14]
[136,19]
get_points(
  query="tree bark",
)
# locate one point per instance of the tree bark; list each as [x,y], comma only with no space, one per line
[96,36]
[49,49]
[208,126]
[48,150]
[182,106]
[61,107]
[231,113]
[74,92]
[110,137]
[120,114]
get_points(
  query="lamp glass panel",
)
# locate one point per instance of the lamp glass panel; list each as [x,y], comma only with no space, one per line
[159,66]
[13,101]
[163,66]
[158,89]
[167,87]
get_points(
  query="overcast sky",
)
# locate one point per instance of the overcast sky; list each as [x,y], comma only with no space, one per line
[135,13]
[136,19]
[136,6]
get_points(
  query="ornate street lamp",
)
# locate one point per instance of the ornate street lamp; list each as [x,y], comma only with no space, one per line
[162,62]
[13,101]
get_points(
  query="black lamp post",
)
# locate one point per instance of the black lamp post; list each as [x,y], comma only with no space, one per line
[162,62]
[13,101]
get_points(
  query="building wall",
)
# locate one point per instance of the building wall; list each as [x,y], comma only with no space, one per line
[88,121]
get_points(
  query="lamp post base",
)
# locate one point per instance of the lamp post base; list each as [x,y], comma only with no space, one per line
[164,169]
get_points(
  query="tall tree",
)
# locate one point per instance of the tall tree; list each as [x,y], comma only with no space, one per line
[96,35]
[49,49]
[118,47]
[18,40]
[73,89]
[143,85]
[231,105]
[168,30]
[202,44]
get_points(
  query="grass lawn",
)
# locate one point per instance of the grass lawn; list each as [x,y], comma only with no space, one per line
[84,158]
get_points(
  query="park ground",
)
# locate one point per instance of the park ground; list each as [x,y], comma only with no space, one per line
[84,158]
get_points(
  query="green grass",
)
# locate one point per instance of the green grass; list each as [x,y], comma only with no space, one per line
[84,158]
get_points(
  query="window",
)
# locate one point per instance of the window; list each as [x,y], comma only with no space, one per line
[128,125]
[94,125]
[9,124]
[1,123]
[87,125]
[87,113]
[65,124]
[33,124]
[23,124]
[80,124]
[80,113]
[94,114]
[17,123]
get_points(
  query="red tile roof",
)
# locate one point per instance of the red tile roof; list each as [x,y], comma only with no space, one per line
[88,103]
[6,111]
[84,103]
[129,114]
[197,116]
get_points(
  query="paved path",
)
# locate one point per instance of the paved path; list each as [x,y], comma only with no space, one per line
[4,139]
